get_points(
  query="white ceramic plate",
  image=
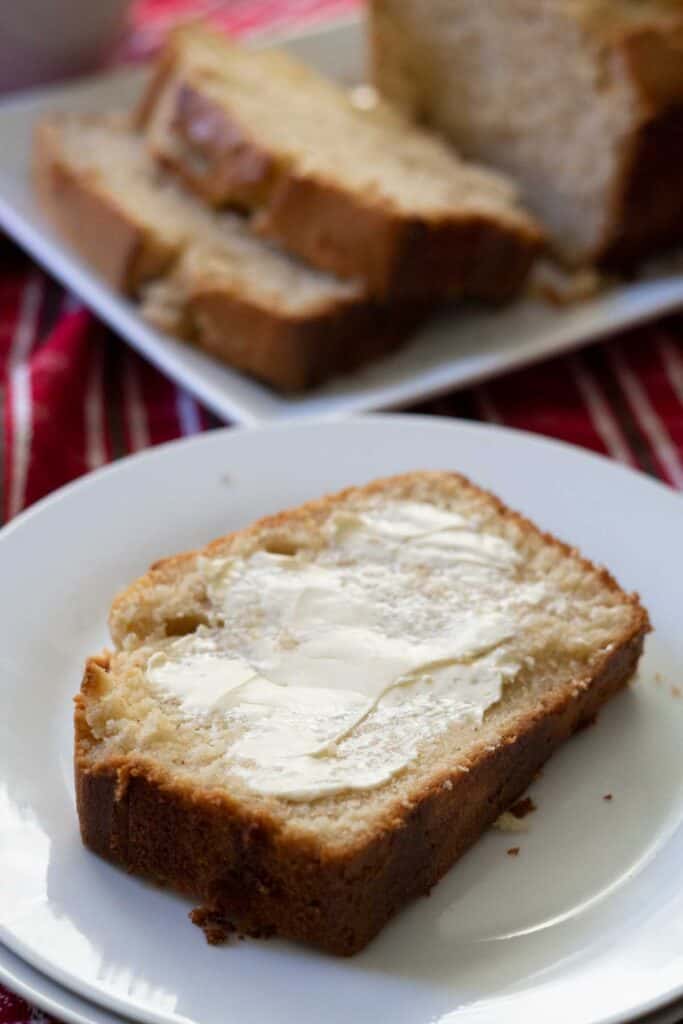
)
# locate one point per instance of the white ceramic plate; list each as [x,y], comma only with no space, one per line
[64,1006]
[459,347]
[70,1008]
[584,926]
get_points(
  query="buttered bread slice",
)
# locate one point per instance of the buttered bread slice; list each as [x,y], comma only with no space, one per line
[360,193]
[306,723]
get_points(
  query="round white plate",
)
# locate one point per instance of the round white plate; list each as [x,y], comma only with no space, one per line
[63,1005]
[584,925]
[70,1008]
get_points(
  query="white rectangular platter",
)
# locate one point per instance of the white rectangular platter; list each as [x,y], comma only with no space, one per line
[459,347]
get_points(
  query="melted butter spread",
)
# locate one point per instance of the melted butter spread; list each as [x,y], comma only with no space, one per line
[331,674]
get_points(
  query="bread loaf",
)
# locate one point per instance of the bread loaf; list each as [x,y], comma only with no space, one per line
[580,101]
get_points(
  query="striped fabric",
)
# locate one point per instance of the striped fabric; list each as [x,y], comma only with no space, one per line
[73,398]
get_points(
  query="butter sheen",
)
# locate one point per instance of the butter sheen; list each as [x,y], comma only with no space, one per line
[332,674]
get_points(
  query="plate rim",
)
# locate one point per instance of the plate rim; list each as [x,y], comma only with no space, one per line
[670,1013]
[442,422]
[31,988]
[402,421]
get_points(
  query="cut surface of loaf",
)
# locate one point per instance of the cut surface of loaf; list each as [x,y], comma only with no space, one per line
[202,275]
[581,101]
[304,724]
[360,193]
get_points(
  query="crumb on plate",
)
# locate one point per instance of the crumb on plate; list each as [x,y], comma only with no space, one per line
[523,807]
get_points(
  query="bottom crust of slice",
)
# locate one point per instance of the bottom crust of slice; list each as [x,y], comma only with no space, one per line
[251,879]
[648,199]
[473,256]
[294,355]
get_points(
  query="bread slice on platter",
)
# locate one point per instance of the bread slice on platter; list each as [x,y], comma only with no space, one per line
[198,274]
[303,725]
[358,192]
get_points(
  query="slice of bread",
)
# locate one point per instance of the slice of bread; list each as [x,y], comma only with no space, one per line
[359,193]
[306,723]
[201,275]
[581,101]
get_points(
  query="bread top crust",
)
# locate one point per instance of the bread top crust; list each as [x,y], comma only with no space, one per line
[648,34]
[169,601]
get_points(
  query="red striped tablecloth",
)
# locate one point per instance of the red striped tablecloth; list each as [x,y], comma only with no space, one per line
[73,397]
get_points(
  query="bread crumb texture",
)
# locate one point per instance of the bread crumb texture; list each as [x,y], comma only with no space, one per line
[560,644]
[589,129]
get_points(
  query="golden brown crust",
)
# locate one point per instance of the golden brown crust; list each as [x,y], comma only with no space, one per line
[295,353]
[262,881]
[647,34]
[290,353]
[117,248]
[239,860]
[654,58]
[647,210]
[393,253]
[647,198]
